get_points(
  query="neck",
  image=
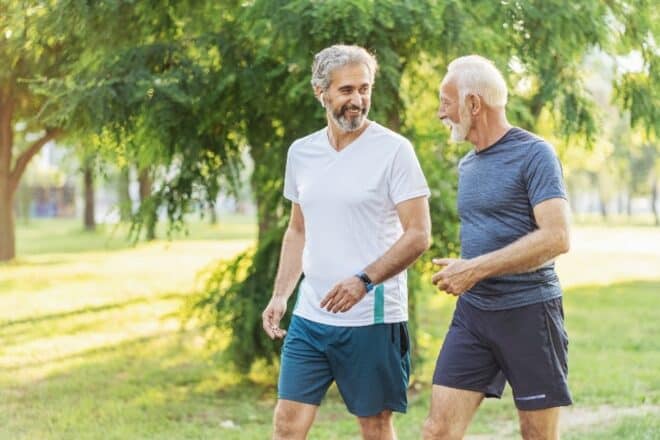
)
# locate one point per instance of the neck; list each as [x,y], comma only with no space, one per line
[339,138]
[490,126]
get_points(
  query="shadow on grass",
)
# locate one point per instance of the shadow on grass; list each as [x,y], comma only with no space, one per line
[92,309]
[86,319]
[161,384]
[166,385]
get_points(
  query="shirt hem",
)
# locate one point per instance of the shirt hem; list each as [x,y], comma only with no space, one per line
[412,195]
[352,323]
[470,300]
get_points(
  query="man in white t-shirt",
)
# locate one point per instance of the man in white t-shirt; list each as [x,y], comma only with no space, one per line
[359,218]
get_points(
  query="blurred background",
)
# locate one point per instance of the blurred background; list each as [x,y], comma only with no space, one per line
[142,149]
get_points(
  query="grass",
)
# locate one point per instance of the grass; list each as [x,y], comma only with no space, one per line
[91,345]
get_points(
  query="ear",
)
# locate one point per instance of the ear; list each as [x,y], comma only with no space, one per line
[318,92]
[474,104]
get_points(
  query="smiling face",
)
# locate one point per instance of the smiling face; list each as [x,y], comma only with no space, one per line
[348,97]
[454,113]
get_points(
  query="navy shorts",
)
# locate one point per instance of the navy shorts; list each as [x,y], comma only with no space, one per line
[526,346]
[370,365]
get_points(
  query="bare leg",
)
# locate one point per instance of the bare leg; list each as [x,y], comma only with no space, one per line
[378,427]
[292,420]
[542,424]
[450,413]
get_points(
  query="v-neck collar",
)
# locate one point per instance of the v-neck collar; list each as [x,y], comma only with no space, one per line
[349,145]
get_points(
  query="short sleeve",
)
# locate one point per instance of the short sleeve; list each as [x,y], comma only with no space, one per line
[543,174]
[290,186]
[407,180]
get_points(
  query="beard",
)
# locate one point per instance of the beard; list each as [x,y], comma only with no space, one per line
[349,123]
[460,129]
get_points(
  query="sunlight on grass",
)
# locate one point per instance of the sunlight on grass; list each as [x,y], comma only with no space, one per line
[91,345]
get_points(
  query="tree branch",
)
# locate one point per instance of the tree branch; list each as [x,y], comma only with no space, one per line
[27,155]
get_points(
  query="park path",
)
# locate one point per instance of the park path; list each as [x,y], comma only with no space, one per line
[580,419]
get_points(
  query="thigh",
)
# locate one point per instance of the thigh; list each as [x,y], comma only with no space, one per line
[542,424]
[292,420]
[371,366]
[305,373]
[466,361]
[451,411]
[532,349]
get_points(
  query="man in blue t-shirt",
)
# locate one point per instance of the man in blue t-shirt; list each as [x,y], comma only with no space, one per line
[508,324]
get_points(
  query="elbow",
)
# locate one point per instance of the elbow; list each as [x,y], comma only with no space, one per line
[422,242]
[563,242]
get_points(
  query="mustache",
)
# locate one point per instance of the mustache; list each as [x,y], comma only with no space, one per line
[347,107]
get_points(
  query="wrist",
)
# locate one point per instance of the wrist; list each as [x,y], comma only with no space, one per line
[366,280]
[479,268]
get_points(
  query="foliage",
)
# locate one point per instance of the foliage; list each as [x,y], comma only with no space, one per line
[194,84]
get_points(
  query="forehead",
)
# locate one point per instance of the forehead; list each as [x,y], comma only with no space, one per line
[448,88]
[350,74]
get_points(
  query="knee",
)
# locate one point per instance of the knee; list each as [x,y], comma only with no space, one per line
[529,431]
[439,430]
[377,427]
[285,425]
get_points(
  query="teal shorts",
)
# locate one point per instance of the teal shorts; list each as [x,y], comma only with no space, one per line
[370,364]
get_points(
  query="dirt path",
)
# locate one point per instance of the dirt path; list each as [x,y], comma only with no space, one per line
[576,419]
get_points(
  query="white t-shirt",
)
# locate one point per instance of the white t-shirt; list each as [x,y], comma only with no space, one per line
[348,199]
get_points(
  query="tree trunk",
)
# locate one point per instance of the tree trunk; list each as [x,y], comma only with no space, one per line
[10,177]
[146,183]
[7,237]
[125,204]
[89,218]
[213,215]
[602,206]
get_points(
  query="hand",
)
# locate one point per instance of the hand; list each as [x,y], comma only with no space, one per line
[272,315]
[457,277]
[344,295]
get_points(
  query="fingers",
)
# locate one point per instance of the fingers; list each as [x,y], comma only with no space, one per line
[330,298]
[267,323]
[443,261]
[344,304]
[270,323]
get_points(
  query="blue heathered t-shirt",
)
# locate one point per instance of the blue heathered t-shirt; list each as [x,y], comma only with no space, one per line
[497,191]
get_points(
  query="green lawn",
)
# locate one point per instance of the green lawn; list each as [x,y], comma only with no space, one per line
[91,345]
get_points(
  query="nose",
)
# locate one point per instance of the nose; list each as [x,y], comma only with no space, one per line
[441,113]
[356,99]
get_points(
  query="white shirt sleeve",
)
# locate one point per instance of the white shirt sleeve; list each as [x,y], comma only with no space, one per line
[407,180]
[290,187]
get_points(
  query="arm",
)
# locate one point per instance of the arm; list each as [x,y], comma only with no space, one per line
[527,253]
[288,273]
[416,223]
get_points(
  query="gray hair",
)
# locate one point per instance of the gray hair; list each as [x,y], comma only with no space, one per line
[478,75]
[339,55]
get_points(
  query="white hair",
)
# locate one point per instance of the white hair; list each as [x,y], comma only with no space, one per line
[340,55]
[477,75]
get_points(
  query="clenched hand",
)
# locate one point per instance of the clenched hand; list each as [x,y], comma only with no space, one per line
[457,277]
[272,315]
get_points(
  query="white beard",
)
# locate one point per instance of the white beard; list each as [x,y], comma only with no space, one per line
[460,130]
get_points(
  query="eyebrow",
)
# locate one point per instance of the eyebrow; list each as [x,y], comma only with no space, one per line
[349,86]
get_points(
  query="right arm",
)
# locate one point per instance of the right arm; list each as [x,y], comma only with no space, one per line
[288,273]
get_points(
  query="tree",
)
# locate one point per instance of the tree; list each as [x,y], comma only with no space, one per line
[193,93]
[28,50]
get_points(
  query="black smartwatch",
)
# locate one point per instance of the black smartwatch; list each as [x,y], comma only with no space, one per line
[368,284]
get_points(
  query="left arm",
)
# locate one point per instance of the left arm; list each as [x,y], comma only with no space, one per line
[529,252]
[416,223]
